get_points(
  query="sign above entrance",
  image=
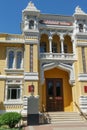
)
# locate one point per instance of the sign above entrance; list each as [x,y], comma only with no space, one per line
[51,22]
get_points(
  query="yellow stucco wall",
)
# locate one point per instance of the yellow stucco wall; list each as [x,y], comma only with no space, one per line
[35,58]
[2,90]
[27,58]
[70,93]
[3,50]
[67,89]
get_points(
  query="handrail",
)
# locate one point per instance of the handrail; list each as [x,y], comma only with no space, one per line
[46,116]
[43,108]
[80,111]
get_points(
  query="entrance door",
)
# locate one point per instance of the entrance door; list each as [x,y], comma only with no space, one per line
[54,94]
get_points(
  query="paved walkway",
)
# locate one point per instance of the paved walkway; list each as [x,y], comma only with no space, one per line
[64,126]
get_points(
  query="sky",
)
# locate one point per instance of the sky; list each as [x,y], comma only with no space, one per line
[11,11]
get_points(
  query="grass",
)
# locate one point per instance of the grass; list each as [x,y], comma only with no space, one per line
[10,129]
[3,128]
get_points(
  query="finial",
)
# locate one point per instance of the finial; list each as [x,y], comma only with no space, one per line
[31,7]
[78,10]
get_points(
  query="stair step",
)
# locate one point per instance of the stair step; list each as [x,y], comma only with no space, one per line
[63,117]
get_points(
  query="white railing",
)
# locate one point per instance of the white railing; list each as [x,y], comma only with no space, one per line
[61,56]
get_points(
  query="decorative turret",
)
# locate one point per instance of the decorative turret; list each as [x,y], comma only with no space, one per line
[30,18]
[79,11]
[80,18]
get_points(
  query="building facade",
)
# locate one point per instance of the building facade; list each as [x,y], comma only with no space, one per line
[47,61]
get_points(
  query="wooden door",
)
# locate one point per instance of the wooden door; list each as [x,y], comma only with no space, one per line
[54,94]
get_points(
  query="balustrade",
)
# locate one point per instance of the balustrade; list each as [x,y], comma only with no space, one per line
[64,56]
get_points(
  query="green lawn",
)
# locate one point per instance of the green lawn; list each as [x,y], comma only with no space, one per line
[11,128]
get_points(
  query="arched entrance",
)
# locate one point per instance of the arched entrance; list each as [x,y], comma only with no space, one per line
[56,90]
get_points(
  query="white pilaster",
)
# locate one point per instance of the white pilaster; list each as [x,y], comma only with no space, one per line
[50,44]
[62,45]
[6,93]
[73,45]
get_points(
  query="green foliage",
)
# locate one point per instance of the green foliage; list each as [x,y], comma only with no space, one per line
[10,119]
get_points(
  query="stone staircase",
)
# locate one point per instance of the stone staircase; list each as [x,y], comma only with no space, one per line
[64,117]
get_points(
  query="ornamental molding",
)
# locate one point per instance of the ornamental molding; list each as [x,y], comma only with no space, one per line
[82,77]
[62,66]
[81,44]
[11,77]
[31,42]
[79,11]
[13,102]
[31,7]
[55,32]
[56,17]
[31,76]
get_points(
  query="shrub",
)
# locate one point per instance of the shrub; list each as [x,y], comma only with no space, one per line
[10,119]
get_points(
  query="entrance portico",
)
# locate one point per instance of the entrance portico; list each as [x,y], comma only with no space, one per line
[57,92]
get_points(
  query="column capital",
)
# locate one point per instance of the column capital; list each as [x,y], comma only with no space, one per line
[72,38]
[50,37]
[61,38]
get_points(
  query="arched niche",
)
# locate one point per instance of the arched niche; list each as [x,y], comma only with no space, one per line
[44,41]
[68,44]
[55,43]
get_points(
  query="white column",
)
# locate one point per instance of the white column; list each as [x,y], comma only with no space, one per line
[50,44]
[73,44]
[62,46]
[6,92]
[84,28]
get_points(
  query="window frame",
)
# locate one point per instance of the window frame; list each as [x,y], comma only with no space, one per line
[15,50]
[80,27]
[31,24]
[13,84]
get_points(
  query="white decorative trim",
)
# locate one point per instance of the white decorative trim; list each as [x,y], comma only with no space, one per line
[79,11]
[81,44]
[11,77]
[83,103]
[14,71]
[31,7]
[31,42]
[13,102]
[82,77]
[31,76]
[12,41]
[62,66]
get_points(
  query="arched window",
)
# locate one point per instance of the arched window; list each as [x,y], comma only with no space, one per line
[31,24]
[54,47]
[11,59]
[42,47]
[80,27]
[65,48]
[19,59]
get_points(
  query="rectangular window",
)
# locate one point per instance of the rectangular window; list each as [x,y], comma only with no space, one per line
[13,92]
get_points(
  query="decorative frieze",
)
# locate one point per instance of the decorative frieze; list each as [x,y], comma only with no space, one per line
[31,76]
